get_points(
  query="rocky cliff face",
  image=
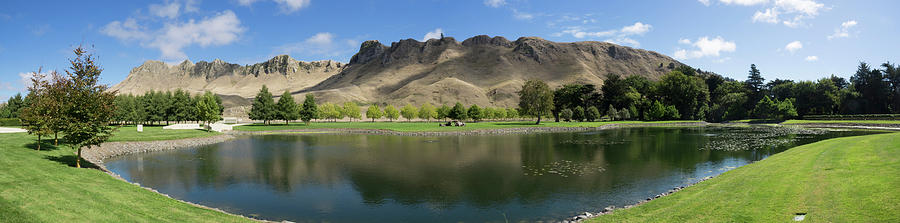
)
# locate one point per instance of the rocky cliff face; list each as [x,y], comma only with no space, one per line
[279,74]
[480,70]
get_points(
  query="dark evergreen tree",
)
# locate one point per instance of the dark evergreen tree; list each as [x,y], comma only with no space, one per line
[263,107]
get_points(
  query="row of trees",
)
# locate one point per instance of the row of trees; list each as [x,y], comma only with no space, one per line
[428,112]
[266,109]
[157,107]
[74,105]
[688,93]
[11,108]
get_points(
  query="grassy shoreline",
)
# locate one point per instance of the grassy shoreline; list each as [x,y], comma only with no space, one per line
[42,186]
[851,179]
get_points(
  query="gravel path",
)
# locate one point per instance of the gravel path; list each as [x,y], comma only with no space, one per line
[11,130]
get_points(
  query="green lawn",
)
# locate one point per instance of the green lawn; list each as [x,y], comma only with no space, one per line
[40,186]
[154,133]
[889,122]
[432,126]
[854,179]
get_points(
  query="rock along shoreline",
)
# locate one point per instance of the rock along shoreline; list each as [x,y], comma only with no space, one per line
[98,154]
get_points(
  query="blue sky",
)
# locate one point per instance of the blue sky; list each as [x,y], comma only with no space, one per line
[793,39]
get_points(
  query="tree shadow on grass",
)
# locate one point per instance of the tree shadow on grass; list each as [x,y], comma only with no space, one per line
[69,160]
[45,146]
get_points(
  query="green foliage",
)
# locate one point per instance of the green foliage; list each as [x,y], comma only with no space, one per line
[90,106]
[10,122]
[765,108]
[458,112]
[391,113]
[671,113]
[12,107]
[512,113]
[263,107]
[374,113]
[351,110]
[330,111]
[687,93]
[624,114]
[658,111]
[36,113]
[427,112]
[207,110]
[754,86]
[578,114]
[873,90]
[592,114]
[409,112]
[574,95]
[566,114]
[475,113]
[612,113]
[535,99]
[443,112]
[309,110]
[287,108]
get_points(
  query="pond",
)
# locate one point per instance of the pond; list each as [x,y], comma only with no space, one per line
[495,178]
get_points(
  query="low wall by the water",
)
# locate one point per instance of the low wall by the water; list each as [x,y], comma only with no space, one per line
[107,150]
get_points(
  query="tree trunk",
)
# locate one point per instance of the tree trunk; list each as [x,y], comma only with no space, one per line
[538,121]
[39,143]
[78,159]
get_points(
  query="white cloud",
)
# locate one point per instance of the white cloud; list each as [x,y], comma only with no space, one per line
[684,41]
[522,15]
[807,7]
[247,2]
[636,29]
[770,16]
[844,30]
[494,3]
[796,11]
[221,29]
[287,6]
[812,58]
[125,31]
[704,2]
[744,2]
[290,6]
[617,36]
[793,46]
[436,34]
[169,10]
[706,47]
[318,45]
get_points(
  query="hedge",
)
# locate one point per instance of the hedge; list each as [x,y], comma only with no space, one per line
[10,122]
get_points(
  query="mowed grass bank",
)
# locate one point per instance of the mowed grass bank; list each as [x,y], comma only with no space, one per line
[877,122]
[401,126]
[156,133]
[853,179]
[41,186]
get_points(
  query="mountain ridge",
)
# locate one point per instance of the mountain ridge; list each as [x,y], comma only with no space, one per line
[482,70]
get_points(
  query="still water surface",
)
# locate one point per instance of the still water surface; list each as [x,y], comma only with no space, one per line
[380,178]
